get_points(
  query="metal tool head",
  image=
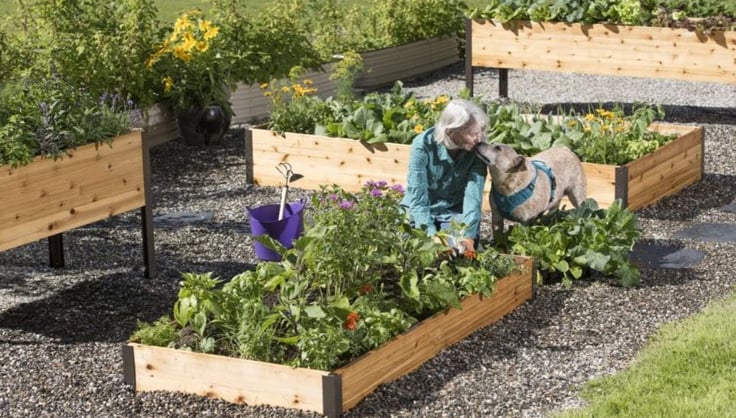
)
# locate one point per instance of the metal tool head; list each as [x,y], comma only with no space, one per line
[285,169]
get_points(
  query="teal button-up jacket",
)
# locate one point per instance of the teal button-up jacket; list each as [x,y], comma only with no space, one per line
[438,184]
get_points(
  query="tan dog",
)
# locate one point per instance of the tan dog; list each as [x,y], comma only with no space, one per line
[525,188]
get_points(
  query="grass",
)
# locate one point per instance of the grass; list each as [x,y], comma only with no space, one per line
[688,370]
[168,9]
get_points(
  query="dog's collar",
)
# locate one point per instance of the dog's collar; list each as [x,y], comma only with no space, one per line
[507,204]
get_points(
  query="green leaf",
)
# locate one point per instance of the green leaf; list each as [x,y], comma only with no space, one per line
[315,311]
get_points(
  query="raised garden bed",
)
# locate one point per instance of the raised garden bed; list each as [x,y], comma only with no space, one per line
[349,164]
[330,393]
[382,67]
[48,197]
[606,49]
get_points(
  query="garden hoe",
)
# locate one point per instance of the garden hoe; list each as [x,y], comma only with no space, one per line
[289,176]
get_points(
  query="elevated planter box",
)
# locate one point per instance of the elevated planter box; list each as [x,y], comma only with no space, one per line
[381,68]
[330,393]
[605,49]
[48,197]
[349,164]
[250,105]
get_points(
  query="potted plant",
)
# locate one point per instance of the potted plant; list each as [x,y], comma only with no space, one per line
[199,60]
[323,327]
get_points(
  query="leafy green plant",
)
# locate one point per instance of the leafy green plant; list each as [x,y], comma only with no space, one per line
[332,297]
[337,27]
[568,242]
[600,135]
[704,15]
[395,116]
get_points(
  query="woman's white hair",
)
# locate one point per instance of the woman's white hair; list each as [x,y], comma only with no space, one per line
[458,115]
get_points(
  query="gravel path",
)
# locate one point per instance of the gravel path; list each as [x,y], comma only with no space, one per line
[61,330]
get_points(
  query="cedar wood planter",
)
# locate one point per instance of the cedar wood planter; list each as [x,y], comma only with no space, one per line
[95,181]
[382,68]
[330,393]
[606,49]
[349,164]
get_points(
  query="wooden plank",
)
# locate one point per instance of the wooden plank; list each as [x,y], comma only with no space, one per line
[48,197]
[606,49]
[666,179]
[693,138]
[77,184]
[235,380]
[410,350]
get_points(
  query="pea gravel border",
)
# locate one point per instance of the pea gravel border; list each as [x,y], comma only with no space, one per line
[61,330]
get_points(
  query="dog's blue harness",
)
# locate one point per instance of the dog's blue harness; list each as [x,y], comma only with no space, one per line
[507,204]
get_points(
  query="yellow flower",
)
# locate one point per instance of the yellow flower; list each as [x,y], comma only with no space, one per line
[307,82]
[182,23]
[268,93]
[202,46]
[285,89]
[590,117]
[188,42]
[571,123]
[211,32]
[441,99]
[419,128]
[263,85]
[168,84]
[181,53]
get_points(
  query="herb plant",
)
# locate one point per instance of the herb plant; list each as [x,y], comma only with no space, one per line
[332,297]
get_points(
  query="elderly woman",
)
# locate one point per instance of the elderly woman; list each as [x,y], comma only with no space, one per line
[445,180]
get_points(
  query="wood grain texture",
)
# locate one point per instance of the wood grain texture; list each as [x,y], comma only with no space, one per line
[50,196]
[635,51]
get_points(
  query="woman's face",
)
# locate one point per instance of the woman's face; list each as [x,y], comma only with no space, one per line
[469,137]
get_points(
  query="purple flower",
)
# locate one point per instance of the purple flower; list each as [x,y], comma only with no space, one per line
[381,184]
[333,197]
[376,193]
[398,188]
[346,204]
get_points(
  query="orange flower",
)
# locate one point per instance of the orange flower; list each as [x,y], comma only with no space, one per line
[351,322]
[469,254]
[366,288]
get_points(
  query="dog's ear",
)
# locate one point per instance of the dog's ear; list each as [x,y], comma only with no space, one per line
[517,164]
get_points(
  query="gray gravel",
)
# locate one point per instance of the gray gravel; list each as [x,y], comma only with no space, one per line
[61,329]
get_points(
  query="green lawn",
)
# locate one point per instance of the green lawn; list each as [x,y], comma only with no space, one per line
[688,370]
[168,9]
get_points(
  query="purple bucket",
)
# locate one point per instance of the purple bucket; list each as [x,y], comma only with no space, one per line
[264,220]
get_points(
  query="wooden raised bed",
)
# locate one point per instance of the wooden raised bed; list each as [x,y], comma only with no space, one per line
[48,197]
[330,393]
[349,164]
[605,49]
